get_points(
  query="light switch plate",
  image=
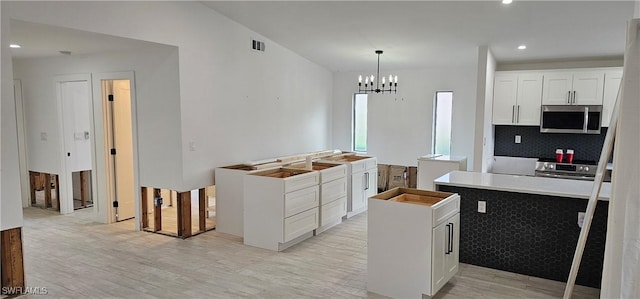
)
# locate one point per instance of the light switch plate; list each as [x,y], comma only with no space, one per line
[482,206]
[518,139]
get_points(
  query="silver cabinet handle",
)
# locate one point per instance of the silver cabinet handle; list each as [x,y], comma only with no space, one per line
[451,238]
[513,113]
[569,97]
[366,181]
[518,114]
[574,97]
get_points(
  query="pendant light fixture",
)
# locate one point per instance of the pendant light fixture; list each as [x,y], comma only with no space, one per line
[370,86]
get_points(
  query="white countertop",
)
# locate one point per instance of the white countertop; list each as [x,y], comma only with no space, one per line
[436,157]
[523,184]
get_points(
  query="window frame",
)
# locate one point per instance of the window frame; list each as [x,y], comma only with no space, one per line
[435,121]
[353,122]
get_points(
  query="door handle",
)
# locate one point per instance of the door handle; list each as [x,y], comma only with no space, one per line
[518,114]
[569,97]
[574,97]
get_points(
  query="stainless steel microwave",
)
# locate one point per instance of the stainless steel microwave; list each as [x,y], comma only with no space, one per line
[582,119]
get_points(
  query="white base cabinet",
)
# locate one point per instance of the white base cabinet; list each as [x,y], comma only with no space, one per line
[281,207]
[230,198]
[431,167]
[362,181]
[333,193]
[413,237]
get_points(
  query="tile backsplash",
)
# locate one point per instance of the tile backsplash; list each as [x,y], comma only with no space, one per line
[543,145]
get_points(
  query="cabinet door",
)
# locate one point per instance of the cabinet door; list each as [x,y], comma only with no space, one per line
[612,82]
[556,88]
[438,251]
[451,260]
[505,91]
[529,100]
[357,192]
[588,88]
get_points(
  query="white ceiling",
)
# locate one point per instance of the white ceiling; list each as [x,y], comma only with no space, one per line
[343,35]
[39,40]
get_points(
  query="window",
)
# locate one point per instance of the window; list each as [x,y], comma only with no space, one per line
[443,104]
[360,122]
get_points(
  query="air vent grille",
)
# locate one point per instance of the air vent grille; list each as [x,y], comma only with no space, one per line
[257,45]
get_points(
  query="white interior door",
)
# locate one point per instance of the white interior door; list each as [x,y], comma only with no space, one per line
[75,104]
[119,136]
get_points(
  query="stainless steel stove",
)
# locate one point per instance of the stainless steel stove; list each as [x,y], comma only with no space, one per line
[579,170]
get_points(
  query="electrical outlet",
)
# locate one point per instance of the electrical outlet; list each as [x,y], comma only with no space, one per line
[580,219]
[482,206]
[518,139]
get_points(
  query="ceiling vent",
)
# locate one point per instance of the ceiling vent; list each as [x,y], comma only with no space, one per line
[257,45]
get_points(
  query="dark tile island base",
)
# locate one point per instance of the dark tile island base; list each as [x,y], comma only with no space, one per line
[529,234]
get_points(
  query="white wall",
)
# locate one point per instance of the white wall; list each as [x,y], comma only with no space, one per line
[10,195]
[484,140]
[400,125]
[235,104]
[158,108]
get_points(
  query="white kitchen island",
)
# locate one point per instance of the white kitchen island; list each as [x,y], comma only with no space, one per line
[528,225]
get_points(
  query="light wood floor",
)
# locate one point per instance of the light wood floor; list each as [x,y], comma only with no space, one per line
[75,258]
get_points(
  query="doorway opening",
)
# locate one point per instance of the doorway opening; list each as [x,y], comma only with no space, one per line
[118,141]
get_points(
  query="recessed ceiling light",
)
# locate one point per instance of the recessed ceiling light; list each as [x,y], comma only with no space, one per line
[15,46]
[522,47]
[507,1]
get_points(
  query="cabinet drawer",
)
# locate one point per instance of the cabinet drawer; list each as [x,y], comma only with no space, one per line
[333,173]
[333,210]
[333,190]
[358,166]
[300,224]
[301,200]
[371,163]
[301,181]
[445,209]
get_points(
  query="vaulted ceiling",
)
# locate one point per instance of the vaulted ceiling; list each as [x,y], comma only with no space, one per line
[342,35]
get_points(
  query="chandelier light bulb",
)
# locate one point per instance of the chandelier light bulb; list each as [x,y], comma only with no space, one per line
[396,79]
[360,79]
[372,77]
[366,80]
[383,80]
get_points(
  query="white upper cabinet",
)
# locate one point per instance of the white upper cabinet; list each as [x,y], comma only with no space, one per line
[505,91]
[573,88]
[516,99]
[612,80]
[529,99]
[557,89]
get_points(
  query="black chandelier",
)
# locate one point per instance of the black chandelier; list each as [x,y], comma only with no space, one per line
[369,81]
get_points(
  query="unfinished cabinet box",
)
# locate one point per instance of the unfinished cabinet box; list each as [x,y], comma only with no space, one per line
[281,207]
[333,192]
[229,196]
[413,237]
[362,180]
